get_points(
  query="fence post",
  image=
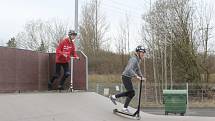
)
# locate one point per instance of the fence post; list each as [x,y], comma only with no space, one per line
[145,98]
[187,96]
[97,88]
[202,94]
[121,90]
[138,91]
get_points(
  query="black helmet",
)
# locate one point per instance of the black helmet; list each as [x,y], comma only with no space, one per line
[140,49]
[72,32]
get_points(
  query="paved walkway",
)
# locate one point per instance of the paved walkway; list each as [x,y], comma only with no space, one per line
[79,106]
[206,112]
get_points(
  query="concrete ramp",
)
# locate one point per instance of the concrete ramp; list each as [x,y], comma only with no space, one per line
[81,106]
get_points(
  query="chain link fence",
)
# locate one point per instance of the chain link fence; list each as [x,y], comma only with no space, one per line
[152,94]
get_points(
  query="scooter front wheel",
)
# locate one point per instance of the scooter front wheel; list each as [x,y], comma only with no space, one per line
[138,117]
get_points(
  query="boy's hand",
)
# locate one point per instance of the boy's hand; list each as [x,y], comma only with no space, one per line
[144,79]
[65,55]
[141,78]
[138,77]
[77,58]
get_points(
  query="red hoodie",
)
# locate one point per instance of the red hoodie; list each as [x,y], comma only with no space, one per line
[65,47]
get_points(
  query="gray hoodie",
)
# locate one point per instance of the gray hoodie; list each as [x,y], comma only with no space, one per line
[133,67]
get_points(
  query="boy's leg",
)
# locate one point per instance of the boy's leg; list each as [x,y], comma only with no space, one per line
[65,75]
[55,76]
[123,94]
[129,87]
[128,99]
[130,90]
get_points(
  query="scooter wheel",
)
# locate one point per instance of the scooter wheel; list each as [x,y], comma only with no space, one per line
[138,117]
[115,110]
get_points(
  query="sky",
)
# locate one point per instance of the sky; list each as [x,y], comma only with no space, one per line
[15,13]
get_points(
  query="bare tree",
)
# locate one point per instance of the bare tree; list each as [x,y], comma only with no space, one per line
[121,44]
[92,28]
[122,39]
[172,23]
[40,34]
[12,43]
[205,30]
[177,37]
[56,30]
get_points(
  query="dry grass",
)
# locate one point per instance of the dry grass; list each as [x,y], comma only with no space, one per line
[205,103]
[110,78]
[212,78]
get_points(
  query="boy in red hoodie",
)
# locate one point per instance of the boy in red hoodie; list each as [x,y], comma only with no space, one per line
[64,50]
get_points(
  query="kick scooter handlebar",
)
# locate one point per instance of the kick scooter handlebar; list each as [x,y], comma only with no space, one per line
[75,58]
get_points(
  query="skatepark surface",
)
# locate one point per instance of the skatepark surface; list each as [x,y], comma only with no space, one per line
[77,106]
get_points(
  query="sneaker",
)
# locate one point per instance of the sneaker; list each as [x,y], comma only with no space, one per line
[60,87]
[113,99]
[49,86]
[125,110]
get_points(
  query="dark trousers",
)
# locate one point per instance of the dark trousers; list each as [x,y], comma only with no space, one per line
[130,93]
[57,74]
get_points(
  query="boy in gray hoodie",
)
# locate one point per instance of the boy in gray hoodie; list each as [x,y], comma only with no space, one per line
[131,70]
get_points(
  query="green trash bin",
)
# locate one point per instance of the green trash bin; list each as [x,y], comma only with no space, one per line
[175,101]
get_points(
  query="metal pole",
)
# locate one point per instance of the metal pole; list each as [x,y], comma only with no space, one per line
[171,78]
[71,83]
[145,97]
[165,62]
[96,32]
[76,23]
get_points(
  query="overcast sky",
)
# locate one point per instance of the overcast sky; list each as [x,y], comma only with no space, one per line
[15,13]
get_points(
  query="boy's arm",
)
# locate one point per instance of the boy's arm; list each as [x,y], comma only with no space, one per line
[139,73]
[73,53]
[59,49]
[130,67]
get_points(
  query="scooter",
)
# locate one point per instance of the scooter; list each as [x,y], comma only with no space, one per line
[137,113]
[71,77]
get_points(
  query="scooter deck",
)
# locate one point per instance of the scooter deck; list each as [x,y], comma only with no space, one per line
[116,111]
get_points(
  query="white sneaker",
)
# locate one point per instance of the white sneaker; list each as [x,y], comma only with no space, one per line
[113,99]
[125,110]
